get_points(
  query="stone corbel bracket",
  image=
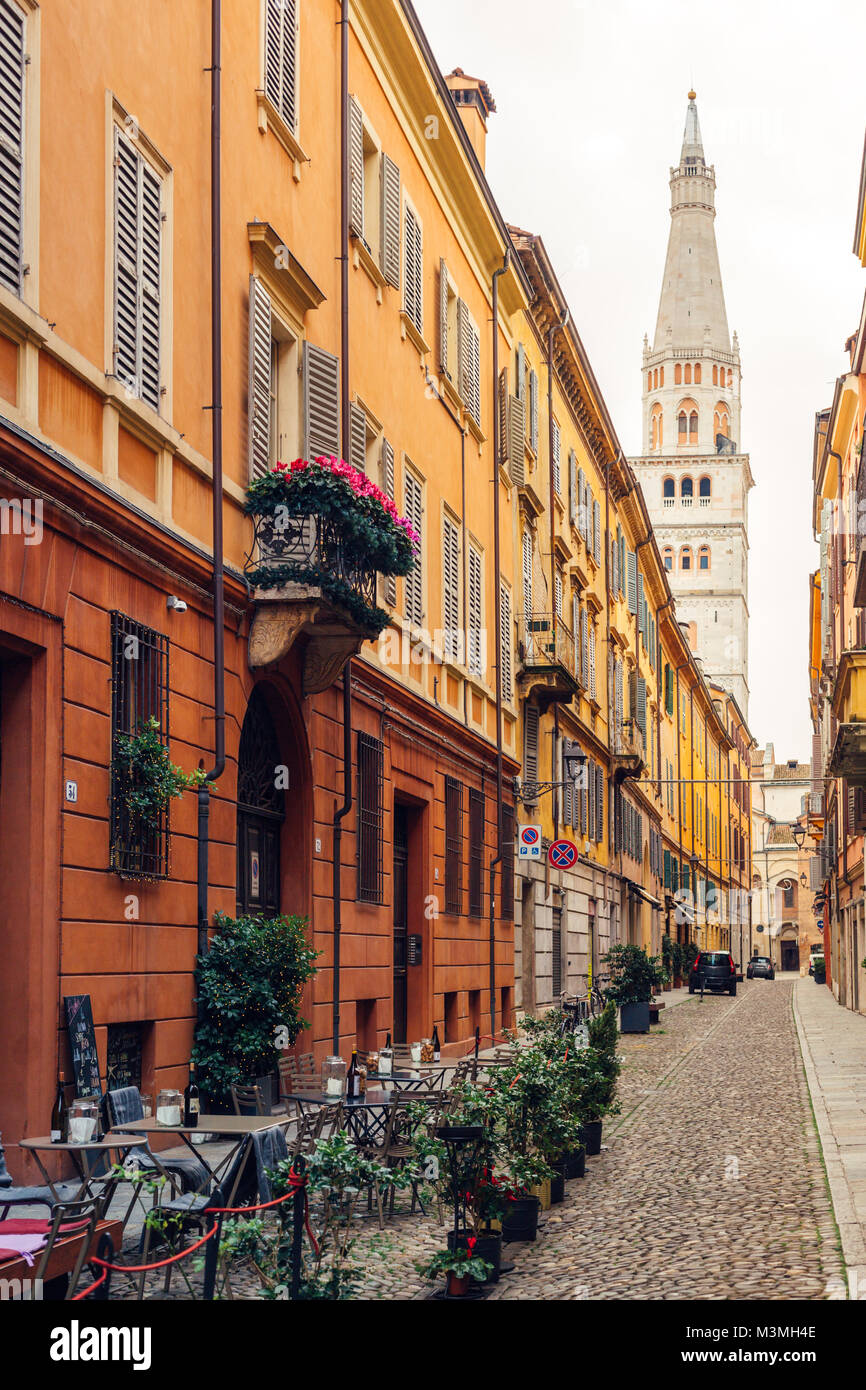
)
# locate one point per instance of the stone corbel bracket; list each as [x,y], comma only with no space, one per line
[283,615]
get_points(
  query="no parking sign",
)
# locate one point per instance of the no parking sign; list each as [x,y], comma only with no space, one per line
[529,842]
[562,854]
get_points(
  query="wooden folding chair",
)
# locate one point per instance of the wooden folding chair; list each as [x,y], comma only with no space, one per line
[71,1219]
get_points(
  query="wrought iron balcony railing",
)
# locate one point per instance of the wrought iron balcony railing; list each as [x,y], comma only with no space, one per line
[545,640]
[309,547]
[629,740]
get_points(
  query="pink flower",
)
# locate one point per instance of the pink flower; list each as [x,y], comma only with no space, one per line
[362,486]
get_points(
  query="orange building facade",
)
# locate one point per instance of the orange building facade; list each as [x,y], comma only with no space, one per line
[107,416]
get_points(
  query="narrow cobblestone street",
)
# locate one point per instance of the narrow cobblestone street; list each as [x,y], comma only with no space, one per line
[711,1184]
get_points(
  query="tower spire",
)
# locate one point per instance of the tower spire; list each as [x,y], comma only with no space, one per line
[693,146]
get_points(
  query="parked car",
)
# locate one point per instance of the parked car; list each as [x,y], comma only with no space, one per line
[760,968]
[717,969]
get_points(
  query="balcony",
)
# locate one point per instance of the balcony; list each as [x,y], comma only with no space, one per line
[629,754]
[307,583]
[848,756]
[546,649]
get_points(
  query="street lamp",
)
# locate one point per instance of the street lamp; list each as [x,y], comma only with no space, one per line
[462,1146]
[799,833]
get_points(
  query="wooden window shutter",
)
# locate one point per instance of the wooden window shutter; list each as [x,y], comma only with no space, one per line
[557,594]
[516,427]
[413,278]
[632,582]
[521,373]
[321,403]
[527,574]
[358,437]
[557,478]
[567,793]
[390,222]
[592,687]
[137,272]
[575,627]
[281,59]
[584,648]
[530,743]
[591,806]
[618,693]
[453,841]
[12,69]
[572,486]
[356,169]
[474,612]
[413,587]
[641,703]
[476,852]
[599,809]
[469,364]
[584,806]
[388,489]
[533,411]
[443,318]
[506,640]
[581,502]
[502,408]
[596,531]
[259,399]
[641,608]
[371,767]
[451,588]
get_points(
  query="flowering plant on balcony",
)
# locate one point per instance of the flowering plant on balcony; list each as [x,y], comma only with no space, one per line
[371,527]
[324,523]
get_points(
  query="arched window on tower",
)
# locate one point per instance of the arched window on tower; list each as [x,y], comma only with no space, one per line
[721,420]
[715,375]
[661,376]
[705,491]
[704,557]
[678,375]
[649,381]
[697,373]
[686,557]
[730,378]
[693,427]
[687,491]
[687,374]
[669,491]
[656,427]
[668,558]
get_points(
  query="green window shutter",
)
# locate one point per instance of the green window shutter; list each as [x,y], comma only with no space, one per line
[632,582]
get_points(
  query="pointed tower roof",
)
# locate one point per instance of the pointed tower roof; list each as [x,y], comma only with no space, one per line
[692,310]
[693,145]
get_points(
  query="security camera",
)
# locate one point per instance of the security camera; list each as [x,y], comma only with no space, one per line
[176,603]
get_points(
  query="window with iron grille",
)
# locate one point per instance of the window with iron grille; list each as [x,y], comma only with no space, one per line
[370,777]
[139,692]
[476,852]
[453,836]
[506,893]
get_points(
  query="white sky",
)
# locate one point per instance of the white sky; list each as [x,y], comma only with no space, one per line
[591,103]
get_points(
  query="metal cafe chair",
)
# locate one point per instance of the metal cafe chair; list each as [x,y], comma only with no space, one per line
[404,1121]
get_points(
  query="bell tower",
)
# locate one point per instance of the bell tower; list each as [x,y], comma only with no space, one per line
[695,478]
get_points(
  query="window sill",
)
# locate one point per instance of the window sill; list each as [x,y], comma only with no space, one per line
[408,330]
[364,259]
[447,388]
[269,118]
[475,429]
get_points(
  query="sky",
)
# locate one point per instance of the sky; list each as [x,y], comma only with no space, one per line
[591,102]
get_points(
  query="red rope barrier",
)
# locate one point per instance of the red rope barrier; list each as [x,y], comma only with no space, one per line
[84,1292]
[160,1264]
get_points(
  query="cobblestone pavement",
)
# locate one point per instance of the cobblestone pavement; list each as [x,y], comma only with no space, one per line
[710,1184]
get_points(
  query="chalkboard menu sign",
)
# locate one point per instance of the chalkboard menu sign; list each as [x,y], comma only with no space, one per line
[82,1043]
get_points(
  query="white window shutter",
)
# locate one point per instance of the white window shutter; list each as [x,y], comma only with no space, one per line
[281,59]
[357,437]
[259,398]
[390,222]
[506,640]
[356,169]
[12,70]
[414,592]
[592,687]
[557,478]
[474,612]
[443,318]
[584,648]
[527,575]
[321,403]
[137,272]
[516,426]
[596,525]
[557,594]
[469,361]
[451,588]
[632,582]
[388,489]
[414,270]
[581,502]
[572,486]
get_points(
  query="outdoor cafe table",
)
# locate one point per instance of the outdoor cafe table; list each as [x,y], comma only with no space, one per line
[235,1127]
[366,1116]
[87,1158]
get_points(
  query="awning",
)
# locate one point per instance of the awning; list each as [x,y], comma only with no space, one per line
[637,891]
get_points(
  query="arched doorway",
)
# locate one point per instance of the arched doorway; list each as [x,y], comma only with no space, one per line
[261,812]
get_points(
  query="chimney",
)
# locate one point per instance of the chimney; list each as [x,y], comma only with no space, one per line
[474,101]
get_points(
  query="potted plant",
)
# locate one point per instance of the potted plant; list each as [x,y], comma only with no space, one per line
[461,1267]
[677,965]
[634,976]
[668,952]
[819,970]
[249,985]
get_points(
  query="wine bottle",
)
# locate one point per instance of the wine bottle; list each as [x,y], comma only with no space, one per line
[437,1050]
[191,1105]
[58,1115]
[353,1077]
[386,1058]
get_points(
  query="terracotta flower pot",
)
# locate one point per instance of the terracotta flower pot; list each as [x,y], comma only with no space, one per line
[457,1287]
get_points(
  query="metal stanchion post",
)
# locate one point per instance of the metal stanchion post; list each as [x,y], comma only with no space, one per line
[298,1227]
[212,1250]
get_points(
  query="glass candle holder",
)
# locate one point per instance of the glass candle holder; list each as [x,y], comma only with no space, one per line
[83,1120]
[146,1105]
[415,1052]
[334,1078]
[169,1107]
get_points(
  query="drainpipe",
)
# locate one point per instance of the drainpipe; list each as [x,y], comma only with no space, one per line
[497,603]
[219,708]
[682,666]
[563,323]
[342,811]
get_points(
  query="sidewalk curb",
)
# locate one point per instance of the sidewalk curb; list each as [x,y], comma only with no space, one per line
[851,1232]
